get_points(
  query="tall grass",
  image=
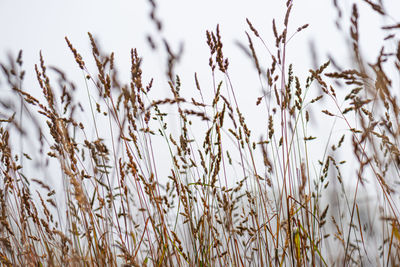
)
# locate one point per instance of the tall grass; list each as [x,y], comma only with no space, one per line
[229,197]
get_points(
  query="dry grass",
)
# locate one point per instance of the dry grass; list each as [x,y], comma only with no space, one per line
[229,198]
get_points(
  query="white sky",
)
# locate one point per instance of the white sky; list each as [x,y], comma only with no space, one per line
[121,25]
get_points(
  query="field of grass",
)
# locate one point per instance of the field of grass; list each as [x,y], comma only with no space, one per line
[185,181]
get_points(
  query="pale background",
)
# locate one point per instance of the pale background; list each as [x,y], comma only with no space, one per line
[35,26]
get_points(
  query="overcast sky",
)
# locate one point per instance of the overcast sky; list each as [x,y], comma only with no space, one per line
[41,25]
[120,25]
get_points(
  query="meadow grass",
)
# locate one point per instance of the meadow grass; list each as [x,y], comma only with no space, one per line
[229,197]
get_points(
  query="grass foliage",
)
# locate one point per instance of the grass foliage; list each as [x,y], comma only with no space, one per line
[229,197]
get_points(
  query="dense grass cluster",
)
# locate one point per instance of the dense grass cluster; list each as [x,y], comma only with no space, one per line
[229,198]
